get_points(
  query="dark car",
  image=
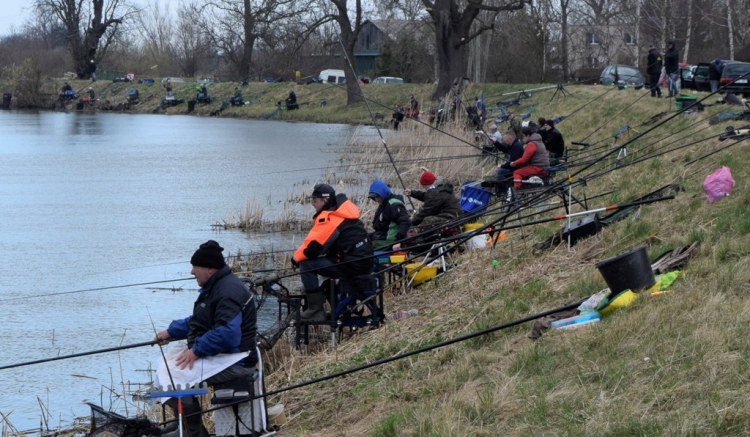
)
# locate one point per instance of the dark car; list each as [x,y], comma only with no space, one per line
[735,78]
[700,77]
[624,73]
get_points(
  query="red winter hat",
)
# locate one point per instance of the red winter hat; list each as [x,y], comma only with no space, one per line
[427,178]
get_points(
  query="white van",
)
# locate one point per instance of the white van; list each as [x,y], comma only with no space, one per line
[333,76]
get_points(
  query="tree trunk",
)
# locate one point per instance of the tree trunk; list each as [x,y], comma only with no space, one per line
[730,30]
[564,39]
[451,52]
[247,50]
[689,34]
[637,32]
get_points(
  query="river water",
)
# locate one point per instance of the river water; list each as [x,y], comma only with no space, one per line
[92,203]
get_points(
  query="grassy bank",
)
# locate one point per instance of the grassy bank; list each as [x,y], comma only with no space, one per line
[674,365]
[263,98]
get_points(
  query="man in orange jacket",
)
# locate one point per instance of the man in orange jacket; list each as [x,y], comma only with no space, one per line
[337,245]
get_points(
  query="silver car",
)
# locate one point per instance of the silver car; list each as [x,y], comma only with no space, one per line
[625,73]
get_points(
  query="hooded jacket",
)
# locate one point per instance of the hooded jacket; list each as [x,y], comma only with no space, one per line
[224,319]
[391,221]
[654,62]
[534,153]
[340,235]
[438,201]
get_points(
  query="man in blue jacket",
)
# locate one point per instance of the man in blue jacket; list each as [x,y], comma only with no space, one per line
[391,221]
[223,321]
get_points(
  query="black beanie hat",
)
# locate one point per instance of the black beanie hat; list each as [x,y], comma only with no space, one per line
[208,255]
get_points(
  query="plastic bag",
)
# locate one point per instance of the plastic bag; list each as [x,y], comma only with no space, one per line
[718,184]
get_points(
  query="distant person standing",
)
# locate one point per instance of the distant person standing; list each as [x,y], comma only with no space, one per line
[653,68]
[481,108]
[92,70]
[672,66]
[168,87]
[714,74]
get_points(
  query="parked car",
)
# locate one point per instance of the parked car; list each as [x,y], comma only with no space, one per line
[700,77]
[738,75]
[388,79]
[333,76]
[625,73]
[313,79]
[686,77]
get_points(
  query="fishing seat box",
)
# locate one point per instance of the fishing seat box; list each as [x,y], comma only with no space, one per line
[578,229]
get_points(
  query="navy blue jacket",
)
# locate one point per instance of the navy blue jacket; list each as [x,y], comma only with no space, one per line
[223,321]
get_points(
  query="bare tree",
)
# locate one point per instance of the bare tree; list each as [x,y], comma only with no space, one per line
[454,29]
[349,34]
[233,26]
[188,46]
[90,26]
[156,31]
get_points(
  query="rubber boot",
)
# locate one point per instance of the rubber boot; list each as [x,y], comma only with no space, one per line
[192,420]
[315,311]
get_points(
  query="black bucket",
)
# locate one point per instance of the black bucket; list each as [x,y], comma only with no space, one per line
[627,271]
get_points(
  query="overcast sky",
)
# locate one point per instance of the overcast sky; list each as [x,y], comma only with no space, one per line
[16,12]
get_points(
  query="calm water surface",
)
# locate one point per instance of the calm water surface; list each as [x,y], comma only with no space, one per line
[107,200]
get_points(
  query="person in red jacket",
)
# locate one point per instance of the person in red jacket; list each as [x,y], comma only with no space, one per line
[337,245]
[533,160]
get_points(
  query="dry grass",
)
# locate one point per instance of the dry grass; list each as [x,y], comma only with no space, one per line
[676,365]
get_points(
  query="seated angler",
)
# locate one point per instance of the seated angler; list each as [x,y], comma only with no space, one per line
[439,203]
[512,147]
[291,101]
[553,140]
[391,222]
[336,246]
[237,99]
[224,321]
[533,160]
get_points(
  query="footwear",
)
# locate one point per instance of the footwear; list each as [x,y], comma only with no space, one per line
[191,418]
[315,311]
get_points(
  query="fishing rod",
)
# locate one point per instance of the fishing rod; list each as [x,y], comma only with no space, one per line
[80,354]
[96,289]
[372,117]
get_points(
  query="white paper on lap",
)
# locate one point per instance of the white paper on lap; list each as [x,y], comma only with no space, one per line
[203,368]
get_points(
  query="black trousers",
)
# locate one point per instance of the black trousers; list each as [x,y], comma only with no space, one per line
[653,84]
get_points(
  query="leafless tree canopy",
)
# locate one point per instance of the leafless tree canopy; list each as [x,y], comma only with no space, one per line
[484,40]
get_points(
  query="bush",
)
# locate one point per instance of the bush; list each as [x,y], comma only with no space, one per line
[24,80]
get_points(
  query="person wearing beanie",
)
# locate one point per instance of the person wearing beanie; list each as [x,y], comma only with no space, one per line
[224,321]
[336,246]
[438,202]
[428,178]
[553,140]
[391,222]
[535,157]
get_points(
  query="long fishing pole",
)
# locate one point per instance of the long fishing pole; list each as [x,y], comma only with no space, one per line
[95,289]
[81,354]
[372,117]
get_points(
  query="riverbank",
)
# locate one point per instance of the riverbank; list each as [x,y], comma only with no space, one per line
[263,98]
[671,365]
[676,363]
